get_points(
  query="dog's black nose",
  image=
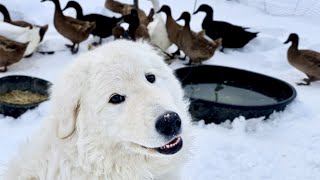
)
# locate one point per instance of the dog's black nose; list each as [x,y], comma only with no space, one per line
[168,124]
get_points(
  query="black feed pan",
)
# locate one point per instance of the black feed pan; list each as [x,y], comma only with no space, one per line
[10,83]
[217,112]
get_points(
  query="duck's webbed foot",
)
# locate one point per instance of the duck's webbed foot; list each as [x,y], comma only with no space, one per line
[306,82]
[75,49]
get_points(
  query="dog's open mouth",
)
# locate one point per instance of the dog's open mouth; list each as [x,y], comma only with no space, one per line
[171,148]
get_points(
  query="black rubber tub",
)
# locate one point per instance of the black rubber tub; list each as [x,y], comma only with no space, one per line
[281,92]
[17,82]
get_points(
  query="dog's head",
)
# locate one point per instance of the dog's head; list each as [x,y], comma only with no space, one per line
[122,94]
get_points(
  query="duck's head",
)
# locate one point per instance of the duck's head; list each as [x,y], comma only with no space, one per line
[293,37]
[166,9]
[185,16]
[134,13]
[204,8]
[71,4]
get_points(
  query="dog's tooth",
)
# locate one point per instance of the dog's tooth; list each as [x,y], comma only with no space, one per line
[173,143]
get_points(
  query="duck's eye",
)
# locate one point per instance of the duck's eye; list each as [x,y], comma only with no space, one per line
[151,78]
[117,99]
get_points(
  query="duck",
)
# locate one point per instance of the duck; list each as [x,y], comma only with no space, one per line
[195,45]
[173,29]
[135,29]
[7,19]
[233,36]
[125,9]
[22,35]
[73,29]
[104,24]
[10,52]
[306,61]
[157,29]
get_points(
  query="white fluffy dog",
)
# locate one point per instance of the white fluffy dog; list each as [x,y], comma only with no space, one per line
[117,113]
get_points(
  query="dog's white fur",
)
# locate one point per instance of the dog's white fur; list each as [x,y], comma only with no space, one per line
[86,137]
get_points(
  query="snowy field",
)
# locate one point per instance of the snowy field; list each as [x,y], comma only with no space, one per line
[285,147]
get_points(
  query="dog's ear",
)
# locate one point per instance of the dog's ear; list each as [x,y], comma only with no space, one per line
[66,97]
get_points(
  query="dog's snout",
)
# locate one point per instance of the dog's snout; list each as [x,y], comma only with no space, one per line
[168,124]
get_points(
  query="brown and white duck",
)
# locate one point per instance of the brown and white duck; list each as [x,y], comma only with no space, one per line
[157,29]
[73,29]
[195,45]
[10,52]
[7,18]
[173,28]
[22,35]
[307,61]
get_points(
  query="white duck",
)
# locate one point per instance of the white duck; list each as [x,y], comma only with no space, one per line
[22,35]
[157,29]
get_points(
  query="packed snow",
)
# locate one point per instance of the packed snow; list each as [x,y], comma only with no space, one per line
[284,147]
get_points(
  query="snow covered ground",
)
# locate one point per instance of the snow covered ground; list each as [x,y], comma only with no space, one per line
[286,147]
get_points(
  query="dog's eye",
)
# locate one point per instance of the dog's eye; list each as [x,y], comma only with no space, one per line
[151,78]
[117,99]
